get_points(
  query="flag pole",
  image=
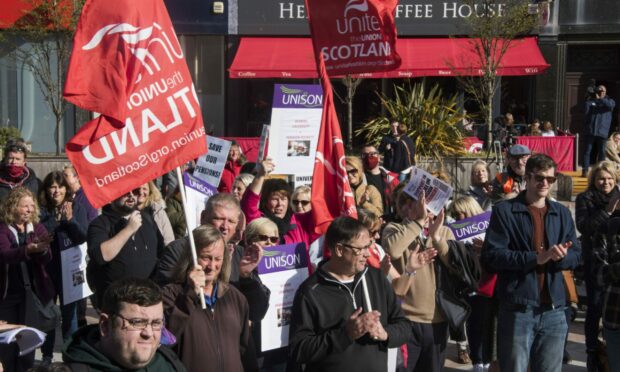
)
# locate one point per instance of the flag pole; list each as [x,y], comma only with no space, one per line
[192,244]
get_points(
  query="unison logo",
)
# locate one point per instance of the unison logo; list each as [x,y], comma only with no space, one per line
[300,97]
[281,260]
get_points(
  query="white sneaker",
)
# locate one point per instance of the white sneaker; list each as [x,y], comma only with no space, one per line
[487,366]
[478,367]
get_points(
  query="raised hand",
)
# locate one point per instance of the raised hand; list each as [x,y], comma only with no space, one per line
[252,255]
[417,259]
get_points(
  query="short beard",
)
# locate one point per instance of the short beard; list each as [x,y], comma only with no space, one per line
[124,210]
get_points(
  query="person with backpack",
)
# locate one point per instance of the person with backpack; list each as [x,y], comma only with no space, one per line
[128,334]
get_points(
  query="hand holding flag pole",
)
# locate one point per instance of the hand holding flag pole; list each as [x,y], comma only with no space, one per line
[192,244]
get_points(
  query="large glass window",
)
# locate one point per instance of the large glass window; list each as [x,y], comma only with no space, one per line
[23,106]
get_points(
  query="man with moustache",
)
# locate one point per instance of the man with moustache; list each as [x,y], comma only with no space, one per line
[333,328]
[122,243]
[510,183]
[530,241]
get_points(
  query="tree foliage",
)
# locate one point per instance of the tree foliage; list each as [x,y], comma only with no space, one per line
[493,27]
[432,120]
[41,41]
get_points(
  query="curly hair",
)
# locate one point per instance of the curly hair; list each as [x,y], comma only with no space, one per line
[7,212]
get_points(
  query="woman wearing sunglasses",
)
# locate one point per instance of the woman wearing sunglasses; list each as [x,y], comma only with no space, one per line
[366,196]
[300,201]
[593,209]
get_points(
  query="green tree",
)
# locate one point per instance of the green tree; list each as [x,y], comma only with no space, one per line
[432,120]
[493,27]
[41,41]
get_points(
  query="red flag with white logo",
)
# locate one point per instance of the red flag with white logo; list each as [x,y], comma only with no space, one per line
[331,193]
[355,36]
[127,64]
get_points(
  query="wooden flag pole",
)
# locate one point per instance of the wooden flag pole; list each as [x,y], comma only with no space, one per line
[192,244]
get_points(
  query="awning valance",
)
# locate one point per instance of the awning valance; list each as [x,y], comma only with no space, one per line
[264,57]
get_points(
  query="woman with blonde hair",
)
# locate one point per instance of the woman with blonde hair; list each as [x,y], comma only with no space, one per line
[480,188]
[593,209]
[612,148]
[300,200]
[151,200]
[24,253]
[223,330]
[366,196]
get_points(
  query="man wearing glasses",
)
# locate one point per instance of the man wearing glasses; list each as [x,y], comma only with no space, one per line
[530,240]
[333,325]
[510,183]
[128,334]
[122,242]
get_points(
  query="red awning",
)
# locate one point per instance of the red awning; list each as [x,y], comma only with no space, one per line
[293,58]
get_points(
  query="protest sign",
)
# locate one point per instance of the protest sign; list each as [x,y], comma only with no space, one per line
[437,192]
[73,264]
[197,192]
[302,180]
[354,37]
[27,339]
[295,122]
[128,65]
[210,166]
[467,229]
[282,269]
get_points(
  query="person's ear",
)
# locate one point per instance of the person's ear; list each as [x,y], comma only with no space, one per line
[105,324]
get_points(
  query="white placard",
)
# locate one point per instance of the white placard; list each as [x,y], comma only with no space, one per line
[73,267]
[302,180]
[282,269]
[197,192]
[210,166]
[295,123]
[437,192]
[27,338]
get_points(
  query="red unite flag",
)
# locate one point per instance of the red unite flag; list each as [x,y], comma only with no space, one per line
[331,193]
[354,36]
[128,66]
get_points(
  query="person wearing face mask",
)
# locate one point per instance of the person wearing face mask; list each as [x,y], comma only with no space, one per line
[13,170]
[384,180]
[122,243]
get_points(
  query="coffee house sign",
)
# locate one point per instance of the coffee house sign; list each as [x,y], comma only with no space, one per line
[425,17]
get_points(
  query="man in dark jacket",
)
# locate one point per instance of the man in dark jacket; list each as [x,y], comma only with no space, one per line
[333,325]
[530,240]
[598,114]
[13,170]
[122,243]
[128,335]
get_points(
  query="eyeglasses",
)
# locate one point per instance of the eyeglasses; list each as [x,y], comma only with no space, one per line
[271,239]
[356,250]
[139,324]
[550,179]
[302,202]
[352,171]
[367,154]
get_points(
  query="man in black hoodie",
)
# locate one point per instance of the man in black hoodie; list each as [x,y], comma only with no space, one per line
[333,325]
[128,335]
[122,243]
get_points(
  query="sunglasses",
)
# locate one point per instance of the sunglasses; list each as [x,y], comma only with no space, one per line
[271,239]
[352,171]
[302,202]
[550,179]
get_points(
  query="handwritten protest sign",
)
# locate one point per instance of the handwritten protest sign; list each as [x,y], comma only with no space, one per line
[210,166]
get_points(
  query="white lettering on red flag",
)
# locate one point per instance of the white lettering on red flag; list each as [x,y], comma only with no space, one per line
[354,36]
[127,64]
[331,193]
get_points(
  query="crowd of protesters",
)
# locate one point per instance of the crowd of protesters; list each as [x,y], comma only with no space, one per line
[393,279]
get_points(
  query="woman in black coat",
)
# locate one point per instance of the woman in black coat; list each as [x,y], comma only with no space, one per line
[593,208]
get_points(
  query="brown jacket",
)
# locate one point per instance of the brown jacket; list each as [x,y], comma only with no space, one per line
[210,341]
[417,292]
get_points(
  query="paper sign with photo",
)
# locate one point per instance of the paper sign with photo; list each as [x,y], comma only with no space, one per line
[437,192]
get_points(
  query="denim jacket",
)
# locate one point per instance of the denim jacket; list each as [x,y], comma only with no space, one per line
[508,251]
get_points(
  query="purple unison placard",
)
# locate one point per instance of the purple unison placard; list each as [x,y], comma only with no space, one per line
[283,257]
[297,96]
[470,227]
[198,185]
